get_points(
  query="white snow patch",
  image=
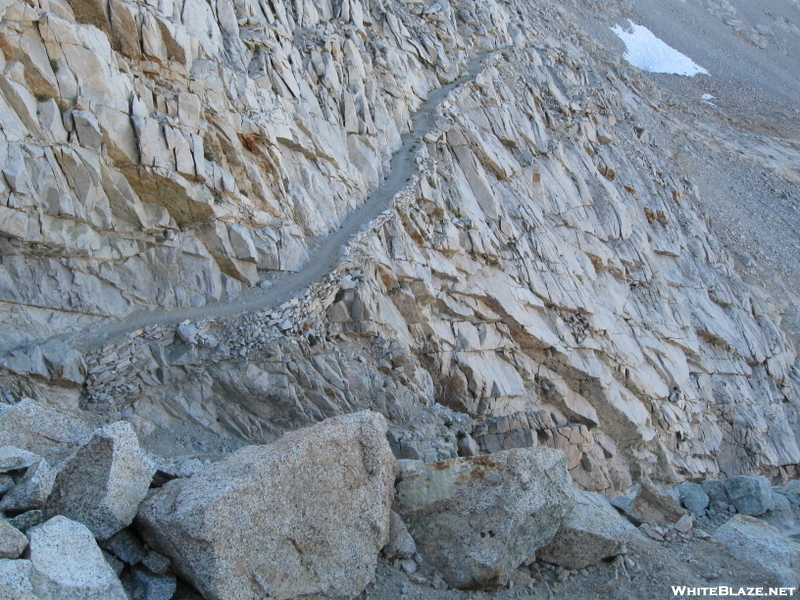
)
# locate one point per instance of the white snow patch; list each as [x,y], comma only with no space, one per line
[645,51]
[707,97]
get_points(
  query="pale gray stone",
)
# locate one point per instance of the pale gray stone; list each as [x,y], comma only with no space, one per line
[753,541]
[66,364]
[116,565]
[28,519]
[651,504]
[13,223]
[127,546]
[66,563]
[52,432]
[780,501]
[147,586]
[693,497]
[242,243]
[102,485]
[88,129]
[12,541]
[591,531]
[240,528]
[477,519]
[401,544]
[750,494]
[467,446]
[156,563]
[15,459]
[6,483]
[15,579]
[126,31]
[32,490]
[51,121]
[622,501]
[684,524]
[792,491]
[717,496]
[100,251]
[782,516]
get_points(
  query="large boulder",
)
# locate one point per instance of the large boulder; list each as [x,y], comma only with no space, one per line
[792,491]
[693,497]
[476,519]
[66,563]
[750,494]
[15,459]
[717,496]
[303,517]
[755,542]
[32,490]
[401,544]
[102,485]
[53,433]
[15,583]
[592,530]
[651,504]
[12,541]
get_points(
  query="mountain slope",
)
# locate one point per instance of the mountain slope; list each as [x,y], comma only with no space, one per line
[545,278]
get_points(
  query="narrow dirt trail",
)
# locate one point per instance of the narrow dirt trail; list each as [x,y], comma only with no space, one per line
[325,253]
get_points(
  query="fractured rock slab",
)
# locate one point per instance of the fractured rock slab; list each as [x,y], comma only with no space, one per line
[303,517]
[750,495]
[792,491]
[67,564]
[653,505]
[32,490]
[592,530]
[754,541]
[717,496]
[15,459]
[15,580]
[693,497]
[401,544]
[30,424]
[102,485]
[147,586]
[12,541]
[477,519]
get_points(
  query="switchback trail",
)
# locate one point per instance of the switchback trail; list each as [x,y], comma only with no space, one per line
[325,253]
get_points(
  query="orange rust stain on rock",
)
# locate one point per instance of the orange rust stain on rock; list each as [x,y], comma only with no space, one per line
[475,473]
[484,461]
[441,465]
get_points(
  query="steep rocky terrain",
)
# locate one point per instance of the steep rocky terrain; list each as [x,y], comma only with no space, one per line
[227,220]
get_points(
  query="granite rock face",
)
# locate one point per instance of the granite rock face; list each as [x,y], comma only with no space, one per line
[102,485]
[401,545]
[477,519]
[693,497]
[32,490]
[753,541]
[54,432]
[652,504]
[518,258]
[750,495]
[544,268]
[717,496]
[12,541]
[591,531]
[65,562]
[303,517]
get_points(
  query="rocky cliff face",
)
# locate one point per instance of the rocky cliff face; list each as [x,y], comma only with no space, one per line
[541,274]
